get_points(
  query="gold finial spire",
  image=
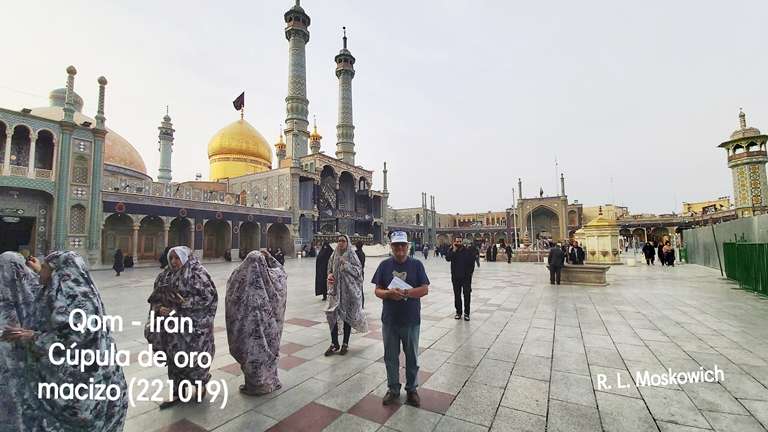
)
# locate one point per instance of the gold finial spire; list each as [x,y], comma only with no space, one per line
[315,136]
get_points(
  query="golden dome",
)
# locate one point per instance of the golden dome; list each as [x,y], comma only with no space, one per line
[117,150]
[238,149]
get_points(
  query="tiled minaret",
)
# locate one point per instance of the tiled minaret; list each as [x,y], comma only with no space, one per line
[166,148]
[296,103]
[747,157]
[345,129]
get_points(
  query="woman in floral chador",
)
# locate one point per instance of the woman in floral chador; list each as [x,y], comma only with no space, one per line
[18,287]
[68,286]
[255,308]
[345,295]
[184,289]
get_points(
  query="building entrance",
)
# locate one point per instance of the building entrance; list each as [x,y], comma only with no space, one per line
[16,234]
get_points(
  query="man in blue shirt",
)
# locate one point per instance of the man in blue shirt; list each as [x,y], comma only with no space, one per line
[401,316]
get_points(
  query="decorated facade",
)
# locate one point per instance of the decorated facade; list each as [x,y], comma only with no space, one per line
[69,182]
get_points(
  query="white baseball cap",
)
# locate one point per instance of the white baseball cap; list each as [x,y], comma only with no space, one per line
[398,237]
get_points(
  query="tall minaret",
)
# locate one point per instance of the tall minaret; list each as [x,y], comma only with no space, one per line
[314,138]
[166,148]
[296,103]
[385,179]
[345,129]
[747,156]
[519,188]
[562,184]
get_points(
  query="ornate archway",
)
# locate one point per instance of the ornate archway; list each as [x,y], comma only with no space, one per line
[216,238]
[546,223]
[179,232]
[249,237]
[117,234]
[150,238]
[278,236]
[639,234]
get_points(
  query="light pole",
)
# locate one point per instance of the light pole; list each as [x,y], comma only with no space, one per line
[514,211]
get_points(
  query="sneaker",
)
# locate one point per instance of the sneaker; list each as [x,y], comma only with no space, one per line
[331,350]
[457,316]
[344,349]
[466,317]
[390,398]
[413,399]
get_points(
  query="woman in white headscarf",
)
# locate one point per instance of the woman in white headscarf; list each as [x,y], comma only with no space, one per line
[255,308]
[345,295]
[186,289]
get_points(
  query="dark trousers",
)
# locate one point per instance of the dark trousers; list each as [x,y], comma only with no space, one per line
[462,285]
[393,336]
[335,334]
[554,274]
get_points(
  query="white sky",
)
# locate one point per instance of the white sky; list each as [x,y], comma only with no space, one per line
[460,97]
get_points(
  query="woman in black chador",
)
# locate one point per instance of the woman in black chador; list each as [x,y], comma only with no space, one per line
[321,270]
[119,264]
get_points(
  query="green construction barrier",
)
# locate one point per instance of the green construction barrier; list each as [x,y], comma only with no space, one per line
[747,264]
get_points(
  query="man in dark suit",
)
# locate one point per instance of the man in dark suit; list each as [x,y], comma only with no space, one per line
[556,262]
[462,261]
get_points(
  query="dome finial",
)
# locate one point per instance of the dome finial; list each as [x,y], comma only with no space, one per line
[314,123]
[742,119]
[344,38]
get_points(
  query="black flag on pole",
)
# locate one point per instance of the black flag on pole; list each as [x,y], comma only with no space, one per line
[239,103]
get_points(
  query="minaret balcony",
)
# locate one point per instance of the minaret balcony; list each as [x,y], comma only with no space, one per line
[757,156]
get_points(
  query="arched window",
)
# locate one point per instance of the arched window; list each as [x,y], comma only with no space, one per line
[77,219]
[20,146]
[44,150]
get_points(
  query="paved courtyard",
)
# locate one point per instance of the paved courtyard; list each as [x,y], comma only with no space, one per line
[529,359]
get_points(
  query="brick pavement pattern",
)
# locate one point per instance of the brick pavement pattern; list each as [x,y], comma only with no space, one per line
[529,360]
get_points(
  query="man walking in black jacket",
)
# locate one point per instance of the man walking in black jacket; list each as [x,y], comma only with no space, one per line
[462,267]
[650,254]
[556,262]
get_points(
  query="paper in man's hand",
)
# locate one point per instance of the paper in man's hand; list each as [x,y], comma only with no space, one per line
[398,283]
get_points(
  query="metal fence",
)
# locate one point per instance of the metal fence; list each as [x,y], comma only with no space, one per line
[747,264]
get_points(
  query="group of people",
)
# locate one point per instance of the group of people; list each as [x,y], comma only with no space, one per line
[560,254]
[255,302]
[663,250]
[36,299]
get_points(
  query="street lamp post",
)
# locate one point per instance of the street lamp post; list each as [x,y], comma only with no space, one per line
[514,211]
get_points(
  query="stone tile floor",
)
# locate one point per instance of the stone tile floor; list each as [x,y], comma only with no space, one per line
[529,359]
